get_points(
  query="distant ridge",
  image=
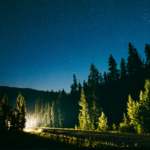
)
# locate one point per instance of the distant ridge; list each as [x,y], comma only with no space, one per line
[21,88]
[30,95]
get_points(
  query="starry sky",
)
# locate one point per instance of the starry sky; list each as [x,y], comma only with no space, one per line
[44,42]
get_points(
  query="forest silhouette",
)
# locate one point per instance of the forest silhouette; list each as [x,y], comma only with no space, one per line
[110,96]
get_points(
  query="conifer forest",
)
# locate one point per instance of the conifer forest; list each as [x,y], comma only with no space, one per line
[113,100]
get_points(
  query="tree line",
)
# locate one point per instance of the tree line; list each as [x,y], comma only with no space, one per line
[104,92]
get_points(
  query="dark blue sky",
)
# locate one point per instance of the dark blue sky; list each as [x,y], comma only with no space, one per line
[44,42]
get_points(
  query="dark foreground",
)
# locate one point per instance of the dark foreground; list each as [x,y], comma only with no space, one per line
[129,140]
[23,140]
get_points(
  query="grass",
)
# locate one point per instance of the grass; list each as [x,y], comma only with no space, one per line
[23,140]
[76,141]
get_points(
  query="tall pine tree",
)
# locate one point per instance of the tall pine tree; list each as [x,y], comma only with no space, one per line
[143,115]
[123,72]
[84,117]
[130,63]
[114,72]
[21,111]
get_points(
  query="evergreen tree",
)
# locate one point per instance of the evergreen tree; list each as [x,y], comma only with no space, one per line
[130,63]
[147,52]
[125,121]
[134,61]
[24,115]
[123,126]
[93,76]
[74,85]
[94,115]
[74,97]
[97,77]
[84,113]
[21,111]
[114,73]
[105,78]
[131,109]
[123,69]
[143,115]
[102,124]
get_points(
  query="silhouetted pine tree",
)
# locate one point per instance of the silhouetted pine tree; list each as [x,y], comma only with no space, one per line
[130,63]
[74,98]
[93,76]
[123,72]
[134,61]
[114,72]
[97,78]
[74,85]
[92,96]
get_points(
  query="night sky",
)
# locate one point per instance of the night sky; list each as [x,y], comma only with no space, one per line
[44,42]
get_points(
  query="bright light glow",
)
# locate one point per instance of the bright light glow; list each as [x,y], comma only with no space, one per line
[28,130]
[31,130]
[40,130]
[9,124]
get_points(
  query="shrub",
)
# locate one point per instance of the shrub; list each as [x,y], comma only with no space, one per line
[114,127]
[76,128]
[127,128]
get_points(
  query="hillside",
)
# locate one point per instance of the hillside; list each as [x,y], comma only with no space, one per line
[30,96]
